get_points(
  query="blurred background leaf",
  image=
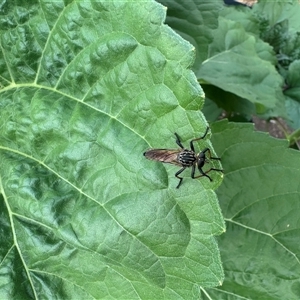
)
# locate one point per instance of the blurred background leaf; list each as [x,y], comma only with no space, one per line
[251,53]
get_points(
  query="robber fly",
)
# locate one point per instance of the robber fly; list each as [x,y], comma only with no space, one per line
[184,158]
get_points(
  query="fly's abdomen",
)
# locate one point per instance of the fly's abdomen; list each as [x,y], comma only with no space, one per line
[186,158]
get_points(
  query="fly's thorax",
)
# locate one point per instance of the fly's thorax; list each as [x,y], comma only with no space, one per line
[186,158]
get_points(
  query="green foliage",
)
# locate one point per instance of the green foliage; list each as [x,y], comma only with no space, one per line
[86,88]
[248,63]
[260,202]
[245,52]
[226,67]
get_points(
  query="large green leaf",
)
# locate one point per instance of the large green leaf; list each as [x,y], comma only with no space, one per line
[87,87]
[259,198]
[229,54]
[235,65]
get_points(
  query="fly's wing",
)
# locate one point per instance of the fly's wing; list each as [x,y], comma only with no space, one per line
[163,155]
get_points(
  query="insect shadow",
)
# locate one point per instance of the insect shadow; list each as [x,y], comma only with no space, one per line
[184,158]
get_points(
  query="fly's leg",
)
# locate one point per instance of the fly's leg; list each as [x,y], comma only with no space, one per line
[202,173]
[201,162]
[178,142]
[197,139]
[180,178]
[209,154]
[193,171]
[205,173]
